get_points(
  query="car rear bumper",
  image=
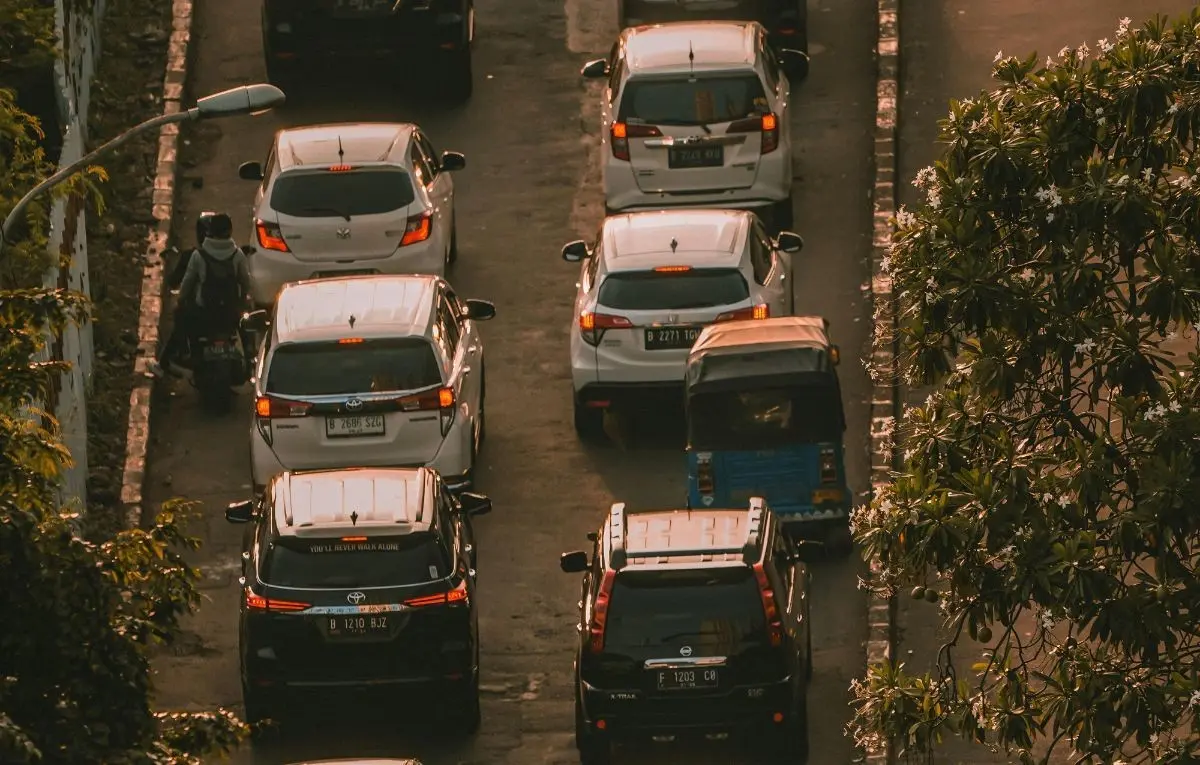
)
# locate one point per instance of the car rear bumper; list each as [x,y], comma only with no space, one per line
[270,269]
[296,28]
[731,712]
[604,395]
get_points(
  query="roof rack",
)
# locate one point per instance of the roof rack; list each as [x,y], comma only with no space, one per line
[619,557]
[754,528]
[616,535]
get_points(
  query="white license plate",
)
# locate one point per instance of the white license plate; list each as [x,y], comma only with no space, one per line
[353,427]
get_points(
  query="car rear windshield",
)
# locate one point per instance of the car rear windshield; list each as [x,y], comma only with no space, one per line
[667,291]
[705,100]
[331,563]
[717,608]
[325,194]
[765,418]
[338,369]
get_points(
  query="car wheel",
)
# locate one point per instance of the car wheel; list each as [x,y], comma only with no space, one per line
[589,422]
[782,215]
[452,252]
[790,743]
[461,712]
[593,749]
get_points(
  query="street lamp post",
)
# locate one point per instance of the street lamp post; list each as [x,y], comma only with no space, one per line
[246,99]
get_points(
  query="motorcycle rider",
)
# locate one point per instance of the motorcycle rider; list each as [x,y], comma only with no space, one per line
[216,287]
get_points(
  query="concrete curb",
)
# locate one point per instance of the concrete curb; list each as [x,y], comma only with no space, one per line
[881,612]
[137,437]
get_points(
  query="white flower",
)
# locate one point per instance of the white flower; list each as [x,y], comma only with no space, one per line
[1063,500]
[1049,62]
[1194,699]
[885,264]
[1086,346]
[1065,50]
[1049,217]
[1173,406]
[1147,175]
[925,177]
[1047,497]
[930,283]
[1101,121]
[1099,112]
[1173,108]
[1123,180]
[1104,45]
[905,219]
[1027,274]
[1183,182]
[1083,51]
[1047,620]
[999,55]
[1156,412]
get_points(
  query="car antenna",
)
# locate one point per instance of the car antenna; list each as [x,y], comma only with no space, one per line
[691,62]
[341,152]
[354,518]
[674,245]
[353,319]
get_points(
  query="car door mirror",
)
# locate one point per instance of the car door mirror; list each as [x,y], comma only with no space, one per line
[480,310]
[574,252]
[474,504]
[594,70]
[255,321]
[250,171]
[240,512]
[808,550]
[573,562]
[789,242]
[592,536]
[453,160]
[794,62]
[249,250]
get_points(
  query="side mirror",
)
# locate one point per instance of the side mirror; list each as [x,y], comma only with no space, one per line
[453,160]
[250,171]
[592,536]
[256,321]
[249,250]
[574,252]
[808,550]
[594,70]
[474,504]
[794,62]
[240,512]
[480,310]
[573,562]
[789,242]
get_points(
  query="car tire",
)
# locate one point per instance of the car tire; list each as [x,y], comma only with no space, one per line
[790,743]
[593,749]
[589,422]
[461,713]
[782,216]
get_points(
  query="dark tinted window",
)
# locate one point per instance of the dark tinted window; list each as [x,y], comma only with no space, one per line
[323,194]
[765,418]
[386,562]
[651,290]
[705,100]
[332,369]
[714,608]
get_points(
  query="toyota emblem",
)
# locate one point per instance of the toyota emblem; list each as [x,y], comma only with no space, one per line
[358,597]
[685,651]
[354,404]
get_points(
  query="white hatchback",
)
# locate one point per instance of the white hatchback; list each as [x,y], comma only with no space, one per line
[697,114]
[369,371]
[342,199]
[651,282]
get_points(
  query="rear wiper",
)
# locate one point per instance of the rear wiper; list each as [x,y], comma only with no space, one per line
[692,305]
[333,210]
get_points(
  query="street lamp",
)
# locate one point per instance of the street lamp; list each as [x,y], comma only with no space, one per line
[245,99]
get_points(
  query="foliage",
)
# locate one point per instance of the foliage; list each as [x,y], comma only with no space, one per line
[27,37]
[22,164]
[1049,484]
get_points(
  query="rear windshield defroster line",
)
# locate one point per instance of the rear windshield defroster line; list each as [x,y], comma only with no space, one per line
[332,564]
[705,100]
[673,291]
[325,193]
[336,369]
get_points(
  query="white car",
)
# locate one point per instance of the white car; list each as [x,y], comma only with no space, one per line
[342,199]
[369,371]
[651,282]
[697,114]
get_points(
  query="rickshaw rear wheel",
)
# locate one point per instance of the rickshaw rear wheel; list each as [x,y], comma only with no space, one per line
[589,422]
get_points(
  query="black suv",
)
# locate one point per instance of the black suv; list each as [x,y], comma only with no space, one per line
[434,37]
[360,579]
[692,622]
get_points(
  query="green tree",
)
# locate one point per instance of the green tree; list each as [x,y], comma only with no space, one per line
[77,618]
[1049,486]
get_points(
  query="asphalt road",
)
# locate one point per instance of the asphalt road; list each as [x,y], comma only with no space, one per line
[530,185]
[946,50]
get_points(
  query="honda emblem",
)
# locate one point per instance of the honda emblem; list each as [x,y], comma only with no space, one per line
[343,233]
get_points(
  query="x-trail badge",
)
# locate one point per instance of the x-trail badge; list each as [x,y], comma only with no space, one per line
[685,651]
[356,597]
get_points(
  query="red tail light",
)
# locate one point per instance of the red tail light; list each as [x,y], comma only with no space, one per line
[272,408]
[457,595]
[260,603]
[760,311]
[829,471]
[592,326]
[269,236]
[621,132]
[430,400]
[705,482]
[770,610]
[600,612]
[767,124]
[418,229]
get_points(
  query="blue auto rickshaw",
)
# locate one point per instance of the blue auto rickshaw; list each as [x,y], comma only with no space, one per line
[765,418]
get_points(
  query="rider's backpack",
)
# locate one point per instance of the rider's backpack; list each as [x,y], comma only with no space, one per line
[219,291]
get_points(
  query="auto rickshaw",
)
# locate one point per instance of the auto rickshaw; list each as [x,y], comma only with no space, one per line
[765,418]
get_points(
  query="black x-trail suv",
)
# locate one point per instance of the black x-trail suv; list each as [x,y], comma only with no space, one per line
[360,579]
[694,622]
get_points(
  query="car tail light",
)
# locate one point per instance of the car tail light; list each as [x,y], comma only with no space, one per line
[770,610]
[760,311]
[259,603]
[269,236]
[829,471]
[600,612]
[621,132]
[456,595]
[267,408]
[418,229]
[766,124]
[705,481]
[592,326]
[441,400]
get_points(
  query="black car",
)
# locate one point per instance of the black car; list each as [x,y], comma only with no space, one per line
[786,20]
[360,579]
[693,622]
[432,38]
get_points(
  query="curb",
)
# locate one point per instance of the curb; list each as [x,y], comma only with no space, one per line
[137,436]
[881,611]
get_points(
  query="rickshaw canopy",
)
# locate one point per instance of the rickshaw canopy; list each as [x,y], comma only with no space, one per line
[781,351]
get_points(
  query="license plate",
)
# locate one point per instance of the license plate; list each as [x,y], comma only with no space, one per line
[358,625]
[699,156]
[354,427]
[219,350]
[671,338]
[685,679]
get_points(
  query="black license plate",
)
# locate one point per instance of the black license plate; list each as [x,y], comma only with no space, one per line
[219,351]
[697,156]
[687,679]
[338,626]
[363,7]
[671,338]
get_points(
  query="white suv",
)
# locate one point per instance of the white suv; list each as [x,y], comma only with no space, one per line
[369,371]
[651,282]
[341,199]
[697,114]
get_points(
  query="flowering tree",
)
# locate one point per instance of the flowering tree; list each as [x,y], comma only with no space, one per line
[1049,493]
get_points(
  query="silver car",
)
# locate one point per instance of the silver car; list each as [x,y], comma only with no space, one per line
[786,20]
